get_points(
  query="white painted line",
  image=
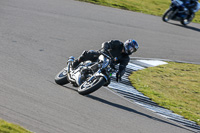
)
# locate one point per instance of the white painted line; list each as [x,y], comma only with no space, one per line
[153,62]
[134,66]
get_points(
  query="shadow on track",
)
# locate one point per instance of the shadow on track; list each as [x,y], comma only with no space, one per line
[187,26]
[68,87]
[133,111]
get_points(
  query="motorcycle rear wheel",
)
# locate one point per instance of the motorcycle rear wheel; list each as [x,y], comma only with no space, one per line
[89,87]
[61,78]
[188,20]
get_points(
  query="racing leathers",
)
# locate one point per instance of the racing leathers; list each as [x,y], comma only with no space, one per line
[115,49]
[191,5]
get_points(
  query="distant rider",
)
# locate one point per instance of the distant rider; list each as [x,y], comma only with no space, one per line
[191,5]
[118,51]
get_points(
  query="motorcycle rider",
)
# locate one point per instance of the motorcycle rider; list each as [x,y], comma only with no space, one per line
[191,5]
[118,50]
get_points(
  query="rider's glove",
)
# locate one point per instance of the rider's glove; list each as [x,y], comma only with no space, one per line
[118,77]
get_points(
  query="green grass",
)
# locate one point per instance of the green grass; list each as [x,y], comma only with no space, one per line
[6,127]
[175,86]
[153,7]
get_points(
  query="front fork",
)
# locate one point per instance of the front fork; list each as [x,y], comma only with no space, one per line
[69,69]
[69,63]
[173,13]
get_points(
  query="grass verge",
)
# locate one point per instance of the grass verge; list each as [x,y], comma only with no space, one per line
[175,86]
[6,127]
[153,7]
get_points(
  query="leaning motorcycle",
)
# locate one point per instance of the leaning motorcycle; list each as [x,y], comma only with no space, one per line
[88,76]
[179,12]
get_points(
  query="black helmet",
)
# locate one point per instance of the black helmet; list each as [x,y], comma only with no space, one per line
[130,46]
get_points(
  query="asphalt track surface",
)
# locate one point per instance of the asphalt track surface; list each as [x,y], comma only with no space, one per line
[37,36]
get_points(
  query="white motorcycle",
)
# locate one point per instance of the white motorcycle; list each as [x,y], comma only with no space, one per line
[88,76]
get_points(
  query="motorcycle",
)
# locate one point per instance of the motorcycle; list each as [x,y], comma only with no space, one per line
[88,76]
[179,12]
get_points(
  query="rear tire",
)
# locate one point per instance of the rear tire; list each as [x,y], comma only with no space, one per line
[61,78]
[166,17]
[89,87]
[188,20]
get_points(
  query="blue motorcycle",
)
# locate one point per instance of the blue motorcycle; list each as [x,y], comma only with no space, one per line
[178,12]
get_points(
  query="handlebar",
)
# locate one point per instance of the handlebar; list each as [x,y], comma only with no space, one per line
[109,57]
[103,53]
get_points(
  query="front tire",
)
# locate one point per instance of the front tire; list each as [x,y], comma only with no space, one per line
[89,87]
[61,78]
[167,15]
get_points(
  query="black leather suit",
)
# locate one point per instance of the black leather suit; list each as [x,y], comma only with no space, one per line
[115,48]
[190,4]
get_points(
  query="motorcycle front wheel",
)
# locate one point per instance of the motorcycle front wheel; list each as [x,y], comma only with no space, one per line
[167,15]
[61,77]
[89,87]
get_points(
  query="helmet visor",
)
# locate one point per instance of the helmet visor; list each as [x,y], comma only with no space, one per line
[129,49]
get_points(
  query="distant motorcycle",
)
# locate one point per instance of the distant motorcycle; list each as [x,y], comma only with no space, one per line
[88,76]
[179,12]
